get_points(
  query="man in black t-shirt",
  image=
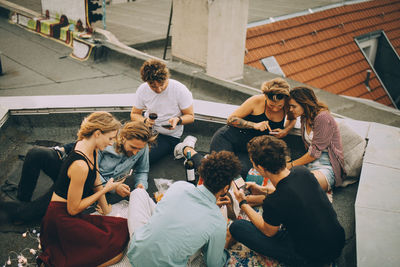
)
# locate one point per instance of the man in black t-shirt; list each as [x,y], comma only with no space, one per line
[299,225]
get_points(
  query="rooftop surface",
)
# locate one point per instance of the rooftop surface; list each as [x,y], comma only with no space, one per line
[41,77]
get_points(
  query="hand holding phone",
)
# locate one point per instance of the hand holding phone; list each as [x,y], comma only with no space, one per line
[241,184]
[123,177]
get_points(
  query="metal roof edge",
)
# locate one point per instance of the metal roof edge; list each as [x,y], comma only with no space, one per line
[302,13]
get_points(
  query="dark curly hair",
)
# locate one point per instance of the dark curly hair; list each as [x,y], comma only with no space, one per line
[154,70]
[218,170]
[269,152]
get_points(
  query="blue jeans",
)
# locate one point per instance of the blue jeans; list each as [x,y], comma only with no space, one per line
[165,145]
[323,164]
[279,247]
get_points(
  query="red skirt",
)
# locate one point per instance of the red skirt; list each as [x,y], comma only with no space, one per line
[80,240]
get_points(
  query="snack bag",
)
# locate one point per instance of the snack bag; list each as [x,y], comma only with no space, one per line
[162,186]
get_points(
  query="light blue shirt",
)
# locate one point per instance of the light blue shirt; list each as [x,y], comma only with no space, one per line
[185,220]
[113,165]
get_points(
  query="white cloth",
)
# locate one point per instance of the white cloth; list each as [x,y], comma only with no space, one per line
[167,104]
[140,209]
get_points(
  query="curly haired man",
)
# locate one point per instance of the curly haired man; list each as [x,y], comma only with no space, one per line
[187,218]
[170,100]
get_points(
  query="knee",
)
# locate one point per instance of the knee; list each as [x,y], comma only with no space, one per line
[36,153]
[138,193]
[237,227]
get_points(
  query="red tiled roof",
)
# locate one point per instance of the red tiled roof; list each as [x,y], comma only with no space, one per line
[319,49]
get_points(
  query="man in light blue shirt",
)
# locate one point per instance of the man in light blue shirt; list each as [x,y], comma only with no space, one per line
[187,218]
[130,151]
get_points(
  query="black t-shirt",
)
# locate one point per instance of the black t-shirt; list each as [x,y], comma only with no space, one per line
[300,204]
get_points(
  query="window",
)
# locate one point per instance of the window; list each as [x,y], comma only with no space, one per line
[384,61]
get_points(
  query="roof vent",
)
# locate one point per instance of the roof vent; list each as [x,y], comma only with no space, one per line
[367,80]
[272,65]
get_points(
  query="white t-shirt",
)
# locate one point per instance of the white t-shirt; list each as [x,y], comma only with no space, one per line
[167,104]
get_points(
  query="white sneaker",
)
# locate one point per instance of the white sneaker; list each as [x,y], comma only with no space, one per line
[189,141]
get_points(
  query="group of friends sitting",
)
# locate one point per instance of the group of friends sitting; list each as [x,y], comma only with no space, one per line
[298,225]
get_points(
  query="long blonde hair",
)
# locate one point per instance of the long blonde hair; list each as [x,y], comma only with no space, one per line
[99,120]
[134,130]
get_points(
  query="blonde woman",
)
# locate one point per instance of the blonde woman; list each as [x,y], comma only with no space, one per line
[259,115]
[68,237]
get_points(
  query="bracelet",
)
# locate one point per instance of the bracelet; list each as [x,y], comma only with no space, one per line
[244,201]
[180,120]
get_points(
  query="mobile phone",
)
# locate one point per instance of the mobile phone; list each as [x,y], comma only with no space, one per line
[167,126]
[273,133]
[118,179]
[122,177]
[240,184]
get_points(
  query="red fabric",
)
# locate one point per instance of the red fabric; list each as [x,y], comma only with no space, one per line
[81,240]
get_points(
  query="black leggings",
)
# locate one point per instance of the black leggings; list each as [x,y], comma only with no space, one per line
[37,159]
[232,139]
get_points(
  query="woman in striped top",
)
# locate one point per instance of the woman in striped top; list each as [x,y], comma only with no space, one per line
[321,137]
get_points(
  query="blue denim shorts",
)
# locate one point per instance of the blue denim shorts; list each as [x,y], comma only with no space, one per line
[323,164]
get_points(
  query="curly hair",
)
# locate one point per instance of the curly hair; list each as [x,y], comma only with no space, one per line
[306,98]
[134,130]
[154,70]
[218,170]
[276,86]
[268,152]
[99,120]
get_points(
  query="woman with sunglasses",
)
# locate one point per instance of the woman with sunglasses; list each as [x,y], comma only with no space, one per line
[258,115]
[321,137]
[69,237]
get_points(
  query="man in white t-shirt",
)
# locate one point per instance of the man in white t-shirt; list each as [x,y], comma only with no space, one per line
[170,100]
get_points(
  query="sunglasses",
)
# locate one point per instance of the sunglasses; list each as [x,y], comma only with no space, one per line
[274,96]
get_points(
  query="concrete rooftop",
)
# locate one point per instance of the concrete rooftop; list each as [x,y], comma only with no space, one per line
[40,75]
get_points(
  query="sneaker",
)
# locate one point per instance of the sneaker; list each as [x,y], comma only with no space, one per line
[189,141]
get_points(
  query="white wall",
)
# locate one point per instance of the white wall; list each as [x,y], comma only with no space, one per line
[211,34]
[73,9]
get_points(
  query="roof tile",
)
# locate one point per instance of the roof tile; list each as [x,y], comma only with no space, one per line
[319,48]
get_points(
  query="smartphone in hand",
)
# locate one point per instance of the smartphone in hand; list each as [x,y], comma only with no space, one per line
[122,177]
[167,126]
[240,184]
